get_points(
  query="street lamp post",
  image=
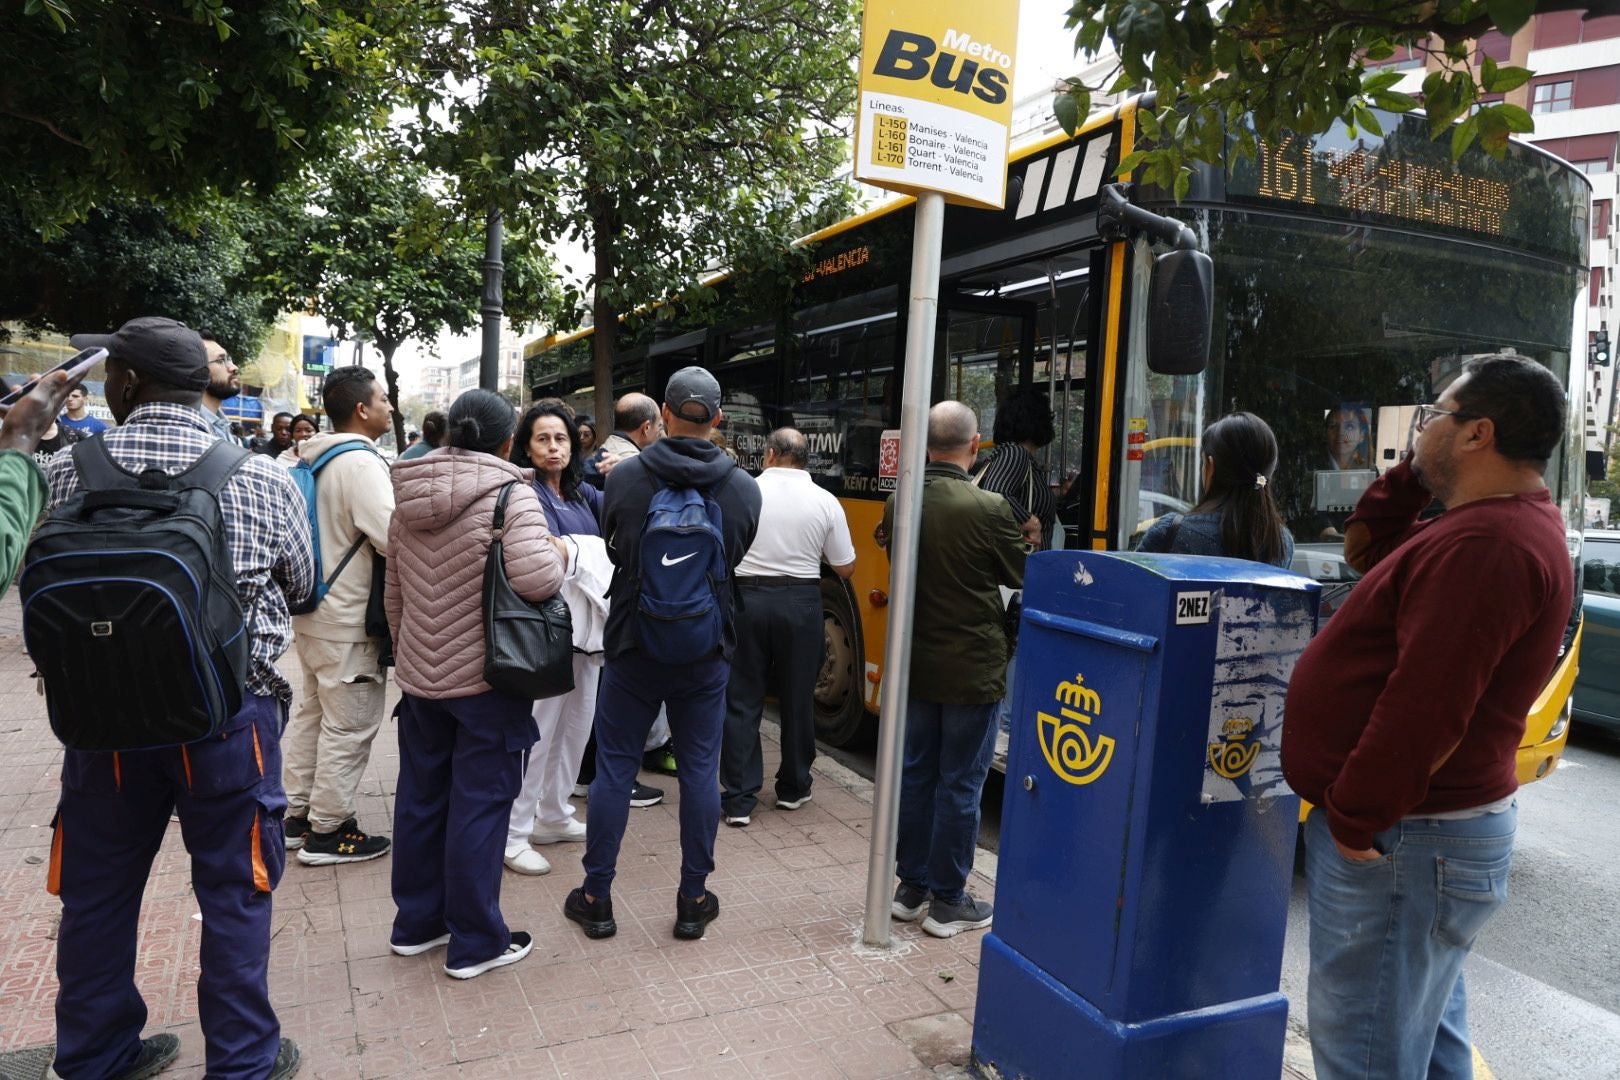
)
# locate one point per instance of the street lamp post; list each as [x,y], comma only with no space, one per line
[489,359]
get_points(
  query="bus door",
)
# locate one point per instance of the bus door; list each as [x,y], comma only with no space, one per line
[985,350]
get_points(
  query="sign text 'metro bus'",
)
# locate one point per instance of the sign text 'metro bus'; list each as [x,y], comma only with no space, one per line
[936,98]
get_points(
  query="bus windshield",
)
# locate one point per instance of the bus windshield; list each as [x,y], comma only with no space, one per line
[1334,333]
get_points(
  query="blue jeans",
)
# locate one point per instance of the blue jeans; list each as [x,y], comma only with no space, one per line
[632,690]
[1388,940]
[948,750]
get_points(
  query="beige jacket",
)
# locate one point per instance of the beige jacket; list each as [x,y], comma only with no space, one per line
[354,497]
[437,543]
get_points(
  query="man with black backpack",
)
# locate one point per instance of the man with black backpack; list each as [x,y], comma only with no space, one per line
[239,510]
[328,739]
[678,518]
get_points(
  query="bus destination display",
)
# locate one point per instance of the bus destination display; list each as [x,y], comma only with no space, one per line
[1409,178]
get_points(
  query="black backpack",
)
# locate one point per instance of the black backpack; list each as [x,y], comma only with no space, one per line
[130,608]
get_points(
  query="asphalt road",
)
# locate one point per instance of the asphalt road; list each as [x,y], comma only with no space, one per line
[1544,979]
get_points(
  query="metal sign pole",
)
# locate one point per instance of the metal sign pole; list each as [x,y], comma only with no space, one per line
[925,245]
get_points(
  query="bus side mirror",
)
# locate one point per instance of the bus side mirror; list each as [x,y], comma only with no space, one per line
[1180,311]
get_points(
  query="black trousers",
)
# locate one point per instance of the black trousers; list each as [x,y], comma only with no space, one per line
[780,641]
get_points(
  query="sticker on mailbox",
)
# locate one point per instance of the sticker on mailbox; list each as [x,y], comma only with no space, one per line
[1192,608]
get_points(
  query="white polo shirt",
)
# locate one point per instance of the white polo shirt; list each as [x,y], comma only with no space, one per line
[800,524]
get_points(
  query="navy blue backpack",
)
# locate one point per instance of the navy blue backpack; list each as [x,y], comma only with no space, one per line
[679,617]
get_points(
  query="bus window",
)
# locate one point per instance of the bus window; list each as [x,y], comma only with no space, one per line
[843,391]
[747,374]
[1060,373]
[982,354]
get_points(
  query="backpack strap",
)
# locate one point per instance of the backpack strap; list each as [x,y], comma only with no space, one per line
[96,468]
[214,469]
[316,467]
[341,448]
[99,472]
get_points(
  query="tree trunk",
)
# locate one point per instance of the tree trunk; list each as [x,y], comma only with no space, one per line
[604,227]
[391,379]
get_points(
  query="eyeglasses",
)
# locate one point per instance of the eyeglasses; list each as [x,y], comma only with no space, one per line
[222,360]
[1426,413]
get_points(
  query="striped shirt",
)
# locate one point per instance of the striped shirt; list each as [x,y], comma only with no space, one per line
[1013,473]
[265,522]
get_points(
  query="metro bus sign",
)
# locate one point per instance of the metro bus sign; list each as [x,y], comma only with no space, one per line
[936,98]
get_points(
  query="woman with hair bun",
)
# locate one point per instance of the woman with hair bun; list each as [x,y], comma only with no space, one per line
[1236,516]
[461,742]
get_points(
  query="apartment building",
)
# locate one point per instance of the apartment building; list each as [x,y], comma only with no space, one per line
[1574,99]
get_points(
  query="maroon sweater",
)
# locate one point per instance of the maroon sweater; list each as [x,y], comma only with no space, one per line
[1413,698]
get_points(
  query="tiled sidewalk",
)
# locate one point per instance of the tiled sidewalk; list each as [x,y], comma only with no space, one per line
[778,987]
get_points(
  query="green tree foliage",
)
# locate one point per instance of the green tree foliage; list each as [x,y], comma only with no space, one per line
[374,245]
[128,258]
[1298,66]
[175,99]
[666,137]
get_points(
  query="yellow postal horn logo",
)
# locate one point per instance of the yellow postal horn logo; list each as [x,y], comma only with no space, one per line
[1234,754]
[1069,749]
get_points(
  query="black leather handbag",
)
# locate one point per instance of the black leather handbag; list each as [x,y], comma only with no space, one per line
[528,648]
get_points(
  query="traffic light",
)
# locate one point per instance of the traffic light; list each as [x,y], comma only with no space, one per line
[1600,348]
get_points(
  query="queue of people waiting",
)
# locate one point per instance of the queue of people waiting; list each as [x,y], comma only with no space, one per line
[687,583]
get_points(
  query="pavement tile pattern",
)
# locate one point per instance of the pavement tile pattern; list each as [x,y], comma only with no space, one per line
[779,986]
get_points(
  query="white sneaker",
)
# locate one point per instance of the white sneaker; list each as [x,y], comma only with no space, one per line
[420,948]
[738,821]
[582,791]
[522,944]
[792,804]
[528,861]
[572,832]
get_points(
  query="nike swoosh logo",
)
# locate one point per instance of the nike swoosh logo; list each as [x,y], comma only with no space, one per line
[667,561]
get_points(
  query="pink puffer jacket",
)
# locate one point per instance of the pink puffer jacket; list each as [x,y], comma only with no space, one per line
[444,503]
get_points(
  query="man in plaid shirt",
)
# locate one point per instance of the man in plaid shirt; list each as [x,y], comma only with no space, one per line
[115,807]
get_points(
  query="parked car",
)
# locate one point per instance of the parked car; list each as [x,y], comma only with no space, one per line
[1597,687]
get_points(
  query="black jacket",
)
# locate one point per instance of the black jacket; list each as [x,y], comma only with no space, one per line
[677,461]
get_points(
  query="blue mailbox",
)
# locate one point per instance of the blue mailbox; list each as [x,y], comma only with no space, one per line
[1147,836]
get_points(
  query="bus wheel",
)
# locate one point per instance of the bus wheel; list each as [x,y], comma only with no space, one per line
[840,708]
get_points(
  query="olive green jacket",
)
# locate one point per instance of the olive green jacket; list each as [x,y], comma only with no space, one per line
[969,548]
[22,495]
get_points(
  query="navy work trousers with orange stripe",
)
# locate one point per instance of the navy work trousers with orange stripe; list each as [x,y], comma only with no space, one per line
[110,823]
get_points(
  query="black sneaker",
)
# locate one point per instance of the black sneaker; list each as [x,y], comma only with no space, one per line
[294,831]
[947,920]
[287,1061]
[642,795]
[661,759]
[521,945]
[909,901]
[595,917]
[691,916]
[157,1054]
[347,843]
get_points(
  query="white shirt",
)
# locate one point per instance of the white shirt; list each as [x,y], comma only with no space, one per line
[799,525]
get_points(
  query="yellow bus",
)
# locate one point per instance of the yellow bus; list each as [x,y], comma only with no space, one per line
[1352,279]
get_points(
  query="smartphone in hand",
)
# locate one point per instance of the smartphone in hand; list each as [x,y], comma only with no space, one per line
[77,367]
